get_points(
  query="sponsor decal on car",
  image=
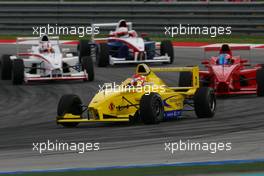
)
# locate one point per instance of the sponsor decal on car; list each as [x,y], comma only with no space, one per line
[172,114]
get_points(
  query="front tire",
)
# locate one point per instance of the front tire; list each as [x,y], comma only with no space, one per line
[18,72]
[151,108]
[102,57]
[6,67]
[83,49]
[204,102]
[260,82]
[69,104]
[166,47]
[87,65]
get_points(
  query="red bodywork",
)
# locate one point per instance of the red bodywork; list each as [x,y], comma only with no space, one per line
[232,78]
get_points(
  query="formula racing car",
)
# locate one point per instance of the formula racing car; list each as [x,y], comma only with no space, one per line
[44,59]
[143,97]
[229,75]
[123,45]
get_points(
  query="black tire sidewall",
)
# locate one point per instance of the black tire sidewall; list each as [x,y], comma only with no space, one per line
[18,71]
[69,104]
[83,49]
[203,98]
[6,67]
[147,113]
[102,55]
[260,82]
[87,65]
[167,47]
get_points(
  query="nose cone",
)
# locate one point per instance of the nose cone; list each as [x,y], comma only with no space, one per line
[102,98]
[223,75]
[223,72]
[222,87]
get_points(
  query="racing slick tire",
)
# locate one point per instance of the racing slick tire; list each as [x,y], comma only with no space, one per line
[185,79]
[151,108]
[102,56]
[167,48]
[260,82]
[204,102]
[87,65]
[134,119]
[83,49]
[18,72]
[6,67]
[69,104]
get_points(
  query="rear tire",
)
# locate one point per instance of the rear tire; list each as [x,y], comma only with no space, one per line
[83,49]
[6,67]
[204,102]
[102,57]
[260,82]
[18,72]
[69,104]
[87,64]
[151,109]
[185,79]
[134,119]
[167,48]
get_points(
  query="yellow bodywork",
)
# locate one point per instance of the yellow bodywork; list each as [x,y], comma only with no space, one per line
[123,103]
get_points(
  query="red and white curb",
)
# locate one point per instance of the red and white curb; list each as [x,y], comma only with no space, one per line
[175,44]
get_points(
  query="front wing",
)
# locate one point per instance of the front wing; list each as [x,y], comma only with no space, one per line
[74,76]
[158,59]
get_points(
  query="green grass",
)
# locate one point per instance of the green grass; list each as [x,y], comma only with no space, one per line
[162,171]
[222,39]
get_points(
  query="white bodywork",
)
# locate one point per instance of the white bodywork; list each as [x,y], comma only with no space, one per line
[49,64]
[135,43]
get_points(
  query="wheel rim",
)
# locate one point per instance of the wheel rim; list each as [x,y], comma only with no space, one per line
[157,108]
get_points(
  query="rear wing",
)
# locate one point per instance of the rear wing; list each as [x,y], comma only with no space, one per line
[35,40]
[233,48]
[143,69]
[107,25]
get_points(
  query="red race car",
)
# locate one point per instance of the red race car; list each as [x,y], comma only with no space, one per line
[229,75]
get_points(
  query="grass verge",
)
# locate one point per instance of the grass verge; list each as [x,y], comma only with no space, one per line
[222,39]
[161,170]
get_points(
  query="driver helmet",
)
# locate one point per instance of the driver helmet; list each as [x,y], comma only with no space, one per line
[138,80]
[223,59]
[122,32]
[225,49]
[44,44]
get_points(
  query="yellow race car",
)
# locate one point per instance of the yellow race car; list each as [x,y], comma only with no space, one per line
[143,97]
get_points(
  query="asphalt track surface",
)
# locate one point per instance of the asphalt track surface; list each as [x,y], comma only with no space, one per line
[27,115]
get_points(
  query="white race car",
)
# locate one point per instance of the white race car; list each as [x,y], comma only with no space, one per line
[125,46]
[44,59]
